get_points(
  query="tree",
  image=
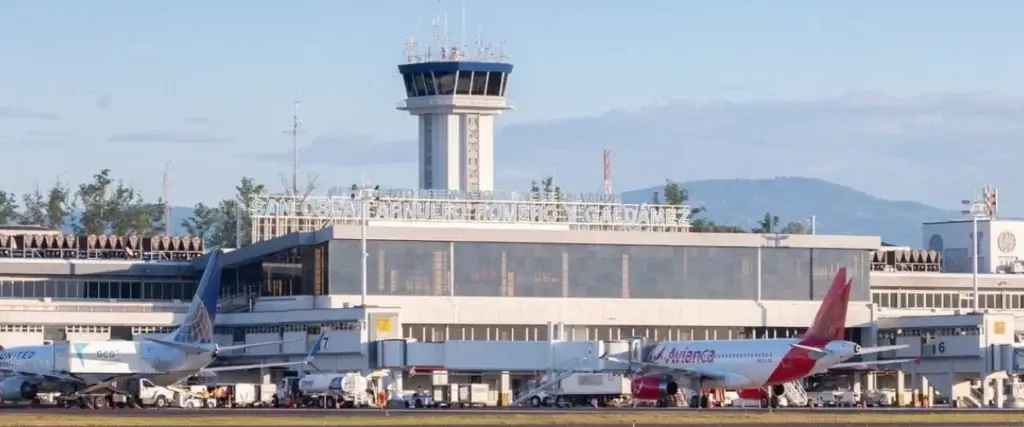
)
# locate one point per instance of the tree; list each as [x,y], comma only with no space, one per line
[35,208]
[767,224]
[131,215]
[8,208]
[794,227]
[546,189]
[234,215]
[120,210]
[677,195]
[202,222]
[96,214]
[50,210]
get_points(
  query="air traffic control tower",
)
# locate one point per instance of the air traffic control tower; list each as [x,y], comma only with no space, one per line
[456,98]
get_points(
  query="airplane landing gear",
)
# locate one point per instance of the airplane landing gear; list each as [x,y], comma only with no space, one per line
[700,400]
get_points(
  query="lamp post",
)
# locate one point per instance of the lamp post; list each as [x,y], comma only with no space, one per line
[977,209]
[364,195]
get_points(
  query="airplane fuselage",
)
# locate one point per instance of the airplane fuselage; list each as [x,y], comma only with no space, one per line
[751,363]
[102,360]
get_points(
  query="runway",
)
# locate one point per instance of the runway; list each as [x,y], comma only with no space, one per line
[410,416]
[491,411]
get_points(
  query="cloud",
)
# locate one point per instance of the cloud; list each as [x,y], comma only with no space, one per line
[7,112]
[196,120]
[170,137]
[933,148]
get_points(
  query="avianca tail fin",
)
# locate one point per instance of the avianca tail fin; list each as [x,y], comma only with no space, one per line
[198,325]
[830,322]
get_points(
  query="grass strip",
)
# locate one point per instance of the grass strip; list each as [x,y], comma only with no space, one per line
[433,419]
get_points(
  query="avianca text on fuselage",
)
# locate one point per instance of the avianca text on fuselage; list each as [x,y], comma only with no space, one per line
[684,355]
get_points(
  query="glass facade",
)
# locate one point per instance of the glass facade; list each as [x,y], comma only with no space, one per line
[77,289]
[591,271]
[465,82]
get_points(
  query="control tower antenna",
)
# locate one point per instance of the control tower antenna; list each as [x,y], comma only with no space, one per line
[437,36]
[167,199]
[479,43]
[608,173]
[463,43]
[295,149]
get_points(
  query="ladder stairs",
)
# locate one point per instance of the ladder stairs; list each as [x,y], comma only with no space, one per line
[795,394]
[551,381]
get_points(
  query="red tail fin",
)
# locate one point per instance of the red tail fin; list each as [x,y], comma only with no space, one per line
[830,322]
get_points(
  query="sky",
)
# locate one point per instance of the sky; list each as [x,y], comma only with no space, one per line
[210,86]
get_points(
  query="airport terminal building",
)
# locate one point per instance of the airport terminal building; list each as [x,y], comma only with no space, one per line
[483,284]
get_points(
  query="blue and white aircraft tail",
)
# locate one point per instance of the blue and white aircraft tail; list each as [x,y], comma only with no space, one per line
[195,334]
[186,352]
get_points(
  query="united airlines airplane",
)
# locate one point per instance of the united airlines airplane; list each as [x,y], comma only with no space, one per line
[92,368]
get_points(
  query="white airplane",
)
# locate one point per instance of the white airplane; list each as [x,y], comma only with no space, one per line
[94,367]
[757,368]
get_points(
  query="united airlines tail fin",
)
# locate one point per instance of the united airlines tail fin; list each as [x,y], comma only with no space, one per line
[830,322]
[197,328]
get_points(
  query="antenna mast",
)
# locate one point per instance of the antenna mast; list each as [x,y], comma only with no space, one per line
[608,174]
[167,199]
[295,150]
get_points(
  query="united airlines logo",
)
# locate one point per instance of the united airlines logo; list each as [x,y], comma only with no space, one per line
[197,325]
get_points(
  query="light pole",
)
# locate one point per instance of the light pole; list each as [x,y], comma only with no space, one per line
[977,209]
[364,195]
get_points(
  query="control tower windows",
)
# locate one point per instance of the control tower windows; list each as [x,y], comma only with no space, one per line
[479,83]
[431,85]
[410,85]
[494,83]
[421,85]
[465,81]
[445,81]
[504,83]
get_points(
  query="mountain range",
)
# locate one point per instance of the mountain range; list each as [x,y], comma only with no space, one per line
[837,209]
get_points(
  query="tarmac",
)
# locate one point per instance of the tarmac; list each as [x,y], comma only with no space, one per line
[413,414]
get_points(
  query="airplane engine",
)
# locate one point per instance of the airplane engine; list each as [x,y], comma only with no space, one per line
[14,389]
[654,387]
[759,393]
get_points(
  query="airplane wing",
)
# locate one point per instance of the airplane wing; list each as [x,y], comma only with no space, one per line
[254,366]
[47,376]
[865,350]
[869,364]
[881,349]
[313,351]
[654,368]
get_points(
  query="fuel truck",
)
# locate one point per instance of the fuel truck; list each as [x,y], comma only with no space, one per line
[325,390]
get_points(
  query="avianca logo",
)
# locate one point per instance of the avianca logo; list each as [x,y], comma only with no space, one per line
[690,356]
[657,356]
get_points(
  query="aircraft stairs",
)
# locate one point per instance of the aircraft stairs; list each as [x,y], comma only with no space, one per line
[795,394]
[973,399]
[542,385]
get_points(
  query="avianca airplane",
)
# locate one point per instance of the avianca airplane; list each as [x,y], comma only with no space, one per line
[757,368]
[186,352]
